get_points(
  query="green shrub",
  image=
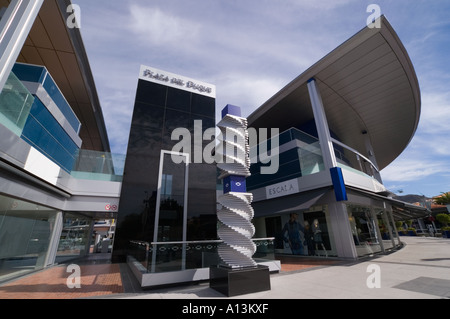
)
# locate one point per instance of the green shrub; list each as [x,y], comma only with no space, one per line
[443,219]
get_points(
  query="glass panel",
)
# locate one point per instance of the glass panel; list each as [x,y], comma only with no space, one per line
[57,97]
[44,133]
[303,233]
[29,73]
[151,93]
[74,237]
[15,104]
[363,227]
[178,99]
[203,105]
[197,254]
[316,234]
[385,228]
[299,159]
[96,165]
[172,192]
[25,233]
[348,159]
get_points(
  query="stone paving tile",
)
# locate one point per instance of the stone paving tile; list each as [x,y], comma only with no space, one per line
[100,280]
[95,280]
[300,263]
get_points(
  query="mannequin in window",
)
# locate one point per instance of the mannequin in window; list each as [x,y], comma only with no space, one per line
[318,236]
[309,239]
[292,234]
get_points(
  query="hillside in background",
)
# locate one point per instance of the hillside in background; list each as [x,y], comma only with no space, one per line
[411,198]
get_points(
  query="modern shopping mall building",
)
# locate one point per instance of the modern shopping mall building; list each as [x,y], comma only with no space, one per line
[56,170]
[340,122]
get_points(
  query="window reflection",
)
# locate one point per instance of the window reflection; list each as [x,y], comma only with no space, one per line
[172,193]
[363,227]
[25,233]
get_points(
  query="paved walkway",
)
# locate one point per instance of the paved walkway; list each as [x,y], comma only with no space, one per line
[421,270]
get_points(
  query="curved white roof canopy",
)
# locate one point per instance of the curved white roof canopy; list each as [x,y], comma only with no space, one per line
[368,84]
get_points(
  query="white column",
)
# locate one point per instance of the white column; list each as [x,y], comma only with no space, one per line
[54,239]
[15,26]
[342,233]
[343,238]
[326,144]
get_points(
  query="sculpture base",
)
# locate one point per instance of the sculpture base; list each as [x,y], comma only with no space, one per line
[241,281]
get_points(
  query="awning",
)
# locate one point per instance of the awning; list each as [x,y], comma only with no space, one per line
[400,210]
[295,202]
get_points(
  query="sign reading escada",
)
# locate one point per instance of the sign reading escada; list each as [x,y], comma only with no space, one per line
[282,189]
[177,81]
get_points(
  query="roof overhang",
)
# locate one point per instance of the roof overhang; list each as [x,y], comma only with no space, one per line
[368,86]
[400,210]
[60,49]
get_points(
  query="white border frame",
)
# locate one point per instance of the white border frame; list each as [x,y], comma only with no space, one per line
[158,205]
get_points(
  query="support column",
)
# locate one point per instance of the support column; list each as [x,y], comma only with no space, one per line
[15,25]
[343,238]
[342,233]
[54,239]
[326,144]
[377,228]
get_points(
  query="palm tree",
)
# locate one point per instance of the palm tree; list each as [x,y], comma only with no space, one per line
[444,199]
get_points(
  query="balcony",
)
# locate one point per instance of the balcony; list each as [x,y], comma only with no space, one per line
[15,104]
[100,166]
[299,155]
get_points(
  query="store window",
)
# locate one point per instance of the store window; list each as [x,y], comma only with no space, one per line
[75,237]
[25,233]
[304,233]
[364,229]
[385,226]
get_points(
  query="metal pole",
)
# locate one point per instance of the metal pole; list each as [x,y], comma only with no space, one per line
[15,26]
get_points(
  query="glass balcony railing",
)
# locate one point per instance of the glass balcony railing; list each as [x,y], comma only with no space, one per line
[94,165]
[349,158]
[40,74]
[15,104]
[299,154]
[176,256]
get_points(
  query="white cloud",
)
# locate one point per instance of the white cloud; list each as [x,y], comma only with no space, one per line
[157,27]
[407,170]
[246,90]
[435,117]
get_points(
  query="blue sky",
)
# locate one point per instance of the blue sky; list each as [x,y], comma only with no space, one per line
[250,49]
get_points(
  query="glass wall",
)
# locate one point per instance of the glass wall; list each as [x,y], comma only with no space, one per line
[385,227]
[158,111]
[25,233]
[39,74]
[15,104]
[75,237]
[175,256]
[300,155]
[46,134]
[302,233]
[364,229]
[171,208]
[95,165]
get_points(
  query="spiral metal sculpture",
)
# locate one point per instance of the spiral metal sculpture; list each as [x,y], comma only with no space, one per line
[236,213]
